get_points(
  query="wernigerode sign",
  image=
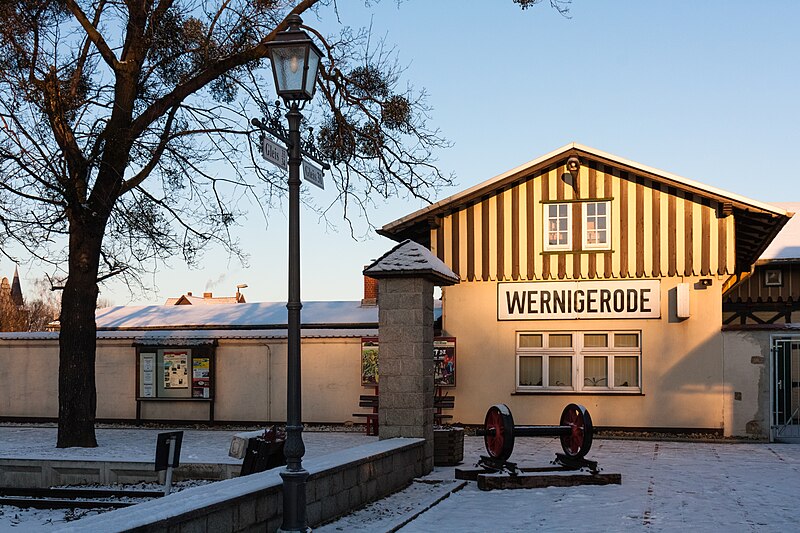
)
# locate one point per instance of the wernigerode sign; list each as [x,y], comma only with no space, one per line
[579,299]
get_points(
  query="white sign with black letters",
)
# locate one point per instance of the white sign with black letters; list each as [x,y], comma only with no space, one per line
[313,174]
[579,299]
[274,152]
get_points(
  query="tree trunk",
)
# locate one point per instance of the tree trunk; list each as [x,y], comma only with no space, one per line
[77,395]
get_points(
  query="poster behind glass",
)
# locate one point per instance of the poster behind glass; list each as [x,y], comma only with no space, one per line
[369,361]
[444,362]
[176,372]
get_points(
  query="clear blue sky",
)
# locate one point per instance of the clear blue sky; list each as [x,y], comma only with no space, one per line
[704,89]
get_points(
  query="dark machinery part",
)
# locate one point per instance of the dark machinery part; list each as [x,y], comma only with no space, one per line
[575,431]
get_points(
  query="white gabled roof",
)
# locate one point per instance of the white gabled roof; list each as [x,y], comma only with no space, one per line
[786,245]
[667,176]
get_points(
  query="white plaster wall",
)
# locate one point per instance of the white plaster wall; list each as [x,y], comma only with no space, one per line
[331,379]
[747,364]
[250,381]
[115,369]
[682,362]
[28,378]
[243,379]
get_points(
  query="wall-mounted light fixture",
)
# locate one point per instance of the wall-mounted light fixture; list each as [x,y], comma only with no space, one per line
[573,165]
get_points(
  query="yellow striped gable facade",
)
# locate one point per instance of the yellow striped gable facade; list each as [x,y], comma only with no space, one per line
[578,230]
[659,225]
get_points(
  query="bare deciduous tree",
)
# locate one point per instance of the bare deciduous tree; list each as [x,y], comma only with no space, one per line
[115,116]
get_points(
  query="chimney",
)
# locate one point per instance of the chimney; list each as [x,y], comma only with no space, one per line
[206,295]
[370,292]
[189,293]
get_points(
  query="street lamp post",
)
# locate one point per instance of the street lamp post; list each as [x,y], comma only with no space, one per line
[295,60]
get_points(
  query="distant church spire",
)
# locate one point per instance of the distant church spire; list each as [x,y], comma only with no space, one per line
[16,290]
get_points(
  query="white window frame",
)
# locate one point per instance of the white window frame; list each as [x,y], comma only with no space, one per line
[578,352]
[585,227]
[546,212]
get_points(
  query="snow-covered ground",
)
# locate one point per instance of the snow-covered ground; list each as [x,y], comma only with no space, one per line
[666,486]
[131,444]
[134,444]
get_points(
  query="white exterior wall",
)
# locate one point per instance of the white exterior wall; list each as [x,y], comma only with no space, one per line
[250,381]
[747,364]
[29,379]
[691,373]
[683,383]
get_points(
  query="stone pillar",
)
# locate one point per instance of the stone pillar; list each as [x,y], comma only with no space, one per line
[405,363]
[406,276]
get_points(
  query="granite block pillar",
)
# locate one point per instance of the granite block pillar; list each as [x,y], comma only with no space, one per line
[405,363]
[406,276]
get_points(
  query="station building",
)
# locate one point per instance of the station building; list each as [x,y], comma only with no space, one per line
[588,278]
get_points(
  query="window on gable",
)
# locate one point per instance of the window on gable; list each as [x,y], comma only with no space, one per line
[558,227]
[596,227]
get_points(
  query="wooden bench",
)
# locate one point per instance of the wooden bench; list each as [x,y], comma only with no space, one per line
[442,401]
[369,401]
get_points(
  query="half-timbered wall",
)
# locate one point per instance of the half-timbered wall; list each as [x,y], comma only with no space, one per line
[770,295]
[656,230]
[755,287]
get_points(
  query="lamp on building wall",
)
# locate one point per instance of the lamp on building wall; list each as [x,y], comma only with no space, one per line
[573,164]
[295,61]
[570,177]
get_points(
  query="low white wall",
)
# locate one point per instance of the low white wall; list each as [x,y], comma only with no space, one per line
[250,381]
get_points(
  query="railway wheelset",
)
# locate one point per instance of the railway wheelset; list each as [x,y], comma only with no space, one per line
[575,432]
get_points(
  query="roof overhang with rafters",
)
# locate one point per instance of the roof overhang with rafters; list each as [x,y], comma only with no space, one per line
[757,223]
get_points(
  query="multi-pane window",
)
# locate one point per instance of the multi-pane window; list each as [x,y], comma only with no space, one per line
[596,227]
[558,227]
[579,361]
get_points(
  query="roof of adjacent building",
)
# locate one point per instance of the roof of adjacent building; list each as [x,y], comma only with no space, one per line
[206,299]
[196,336]
[241,321]
[757,222]
[786,245]
[259,315]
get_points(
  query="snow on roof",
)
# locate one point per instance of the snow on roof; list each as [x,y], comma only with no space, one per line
[261,320]
[668,176]
[786,245]
[409,257]
[259,315]
[197,336]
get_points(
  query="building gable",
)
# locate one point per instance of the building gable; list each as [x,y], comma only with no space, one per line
[660,225]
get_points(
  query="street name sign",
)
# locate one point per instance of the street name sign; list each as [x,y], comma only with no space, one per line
[274,153]
[313,174]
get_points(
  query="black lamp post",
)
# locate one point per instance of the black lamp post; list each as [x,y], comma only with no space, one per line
[295,60]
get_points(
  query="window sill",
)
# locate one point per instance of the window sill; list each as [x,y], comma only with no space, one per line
[575,393]
[576,252]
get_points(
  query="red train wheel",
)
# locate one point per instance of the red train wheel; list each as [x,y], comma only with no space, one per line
[499,436]
[579,441]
